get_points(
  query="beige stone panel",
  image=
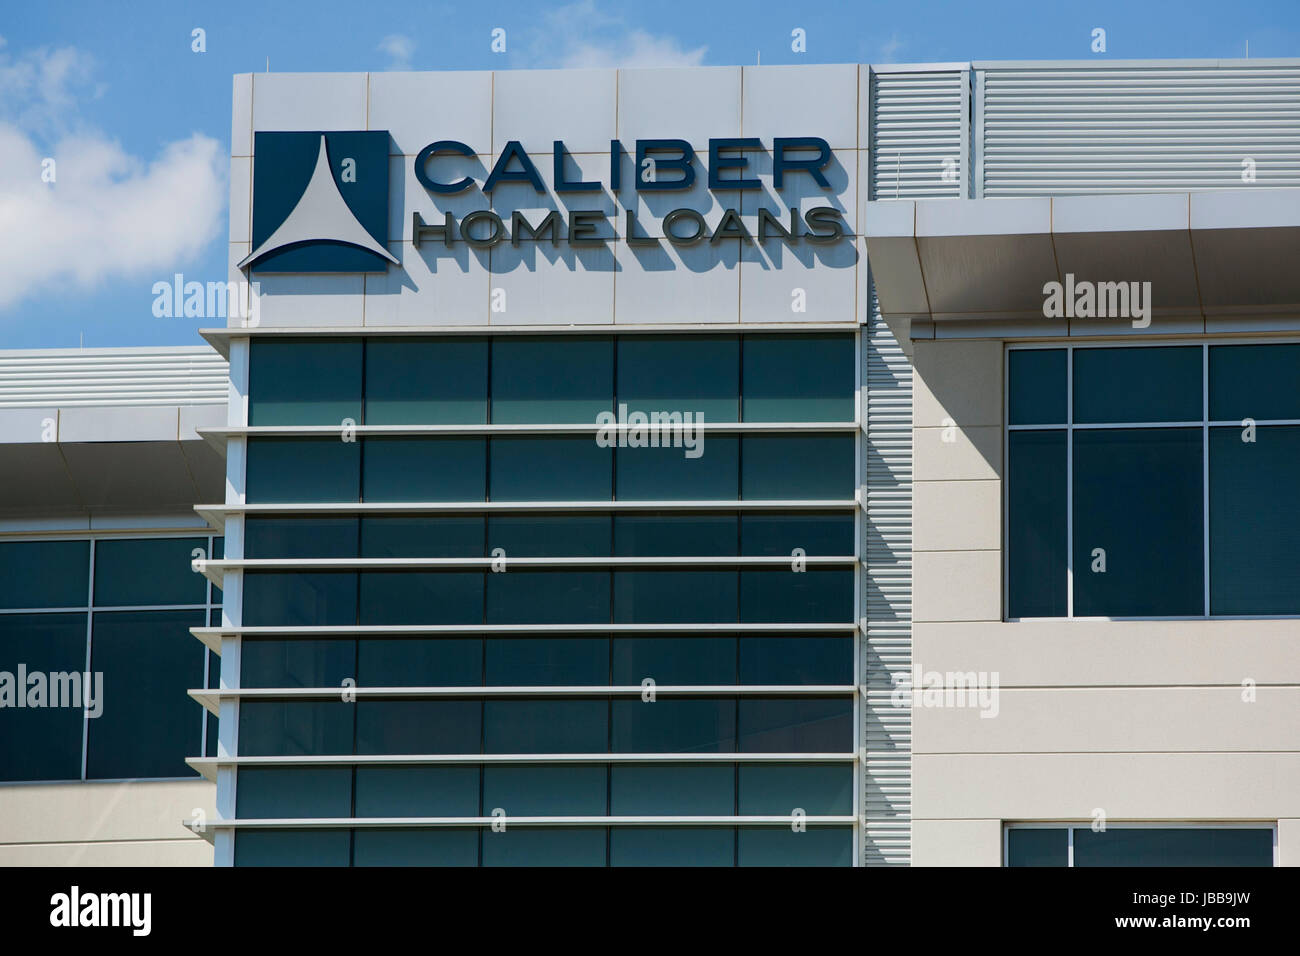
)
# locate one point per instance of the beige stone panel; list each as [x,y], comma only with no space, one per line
[957,515]
[956,842]
[1169,787]
[1062,653]
[973,453]
[97,812]
[957,585]
[1107,720]
[192,852]
[957,379]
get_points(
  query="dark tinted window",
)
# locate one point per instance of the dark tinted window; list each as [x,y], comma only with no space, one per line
[1137,498]
[303,470]
[551,379]
[692,373]
[425,469]
[439,381]
[1161,384]
[302,381]
[44,573]
[794,377]
[1036,393]
[1037,512]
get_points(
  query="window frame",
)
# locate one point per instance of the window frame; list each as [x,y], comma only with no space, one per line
[1069,427]
[1071,825]
[89,609]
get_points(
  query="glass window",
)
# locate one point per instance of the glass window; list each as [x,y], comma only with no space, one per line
[266,793]
[1138,515]
[778,467]
[1035,846]
[534,791]
[419,662]
[304,381]
[805,659]
[1254,521]
[418,726]
[820,533]
[421,597]
[663,534]
[148,571]
[44,743]
[547,661]
[45,573]
[275,728]
[297,662]
[798,378]
[675,725]
[691,373]
[292,847]
[796,725]
[418,791]
[671,659]
[548,536]
[660,596]
[1037,513]
[818,789]
[149,724]
[303,470]
[556,379]
[544,846]
[424,469]
[411,536]
[548,725]
[1173,846]
[440,381]
[300,598]
[674,789]
[1161,384]
[551,469]
[782,846]
[548,597]
[782,595]
[1036,390]
[653,474]
[211,725]
[1254,381]
[672,846]
[314,537]
[450,846]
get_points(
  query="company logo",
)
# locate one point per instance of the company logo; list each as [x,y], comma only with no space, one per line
[320,203]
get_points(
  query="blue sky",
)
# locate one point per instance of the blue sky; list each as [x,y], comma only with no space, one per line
[139,124]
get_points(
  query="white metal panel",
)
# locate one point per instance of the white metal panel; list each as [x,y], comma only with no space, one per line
[144,376]
[919,138]
[1058,130]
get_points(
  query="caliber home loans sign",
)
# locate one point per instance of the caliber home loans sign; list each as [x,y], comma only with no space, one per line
[320,200]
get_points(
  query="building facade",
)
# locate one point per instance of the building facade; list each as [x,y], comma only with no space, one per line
[589,499]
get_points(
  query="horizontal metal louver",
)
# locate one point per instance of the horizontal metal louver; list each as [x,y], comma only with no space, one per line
[917,146]
[920,149]
[148,376]
[887,644]
[1078,130]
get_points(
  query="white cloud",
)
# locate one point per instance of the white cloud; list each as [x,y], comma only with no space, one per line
[581,34]
[890,49]
[107,214]
[399,49]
